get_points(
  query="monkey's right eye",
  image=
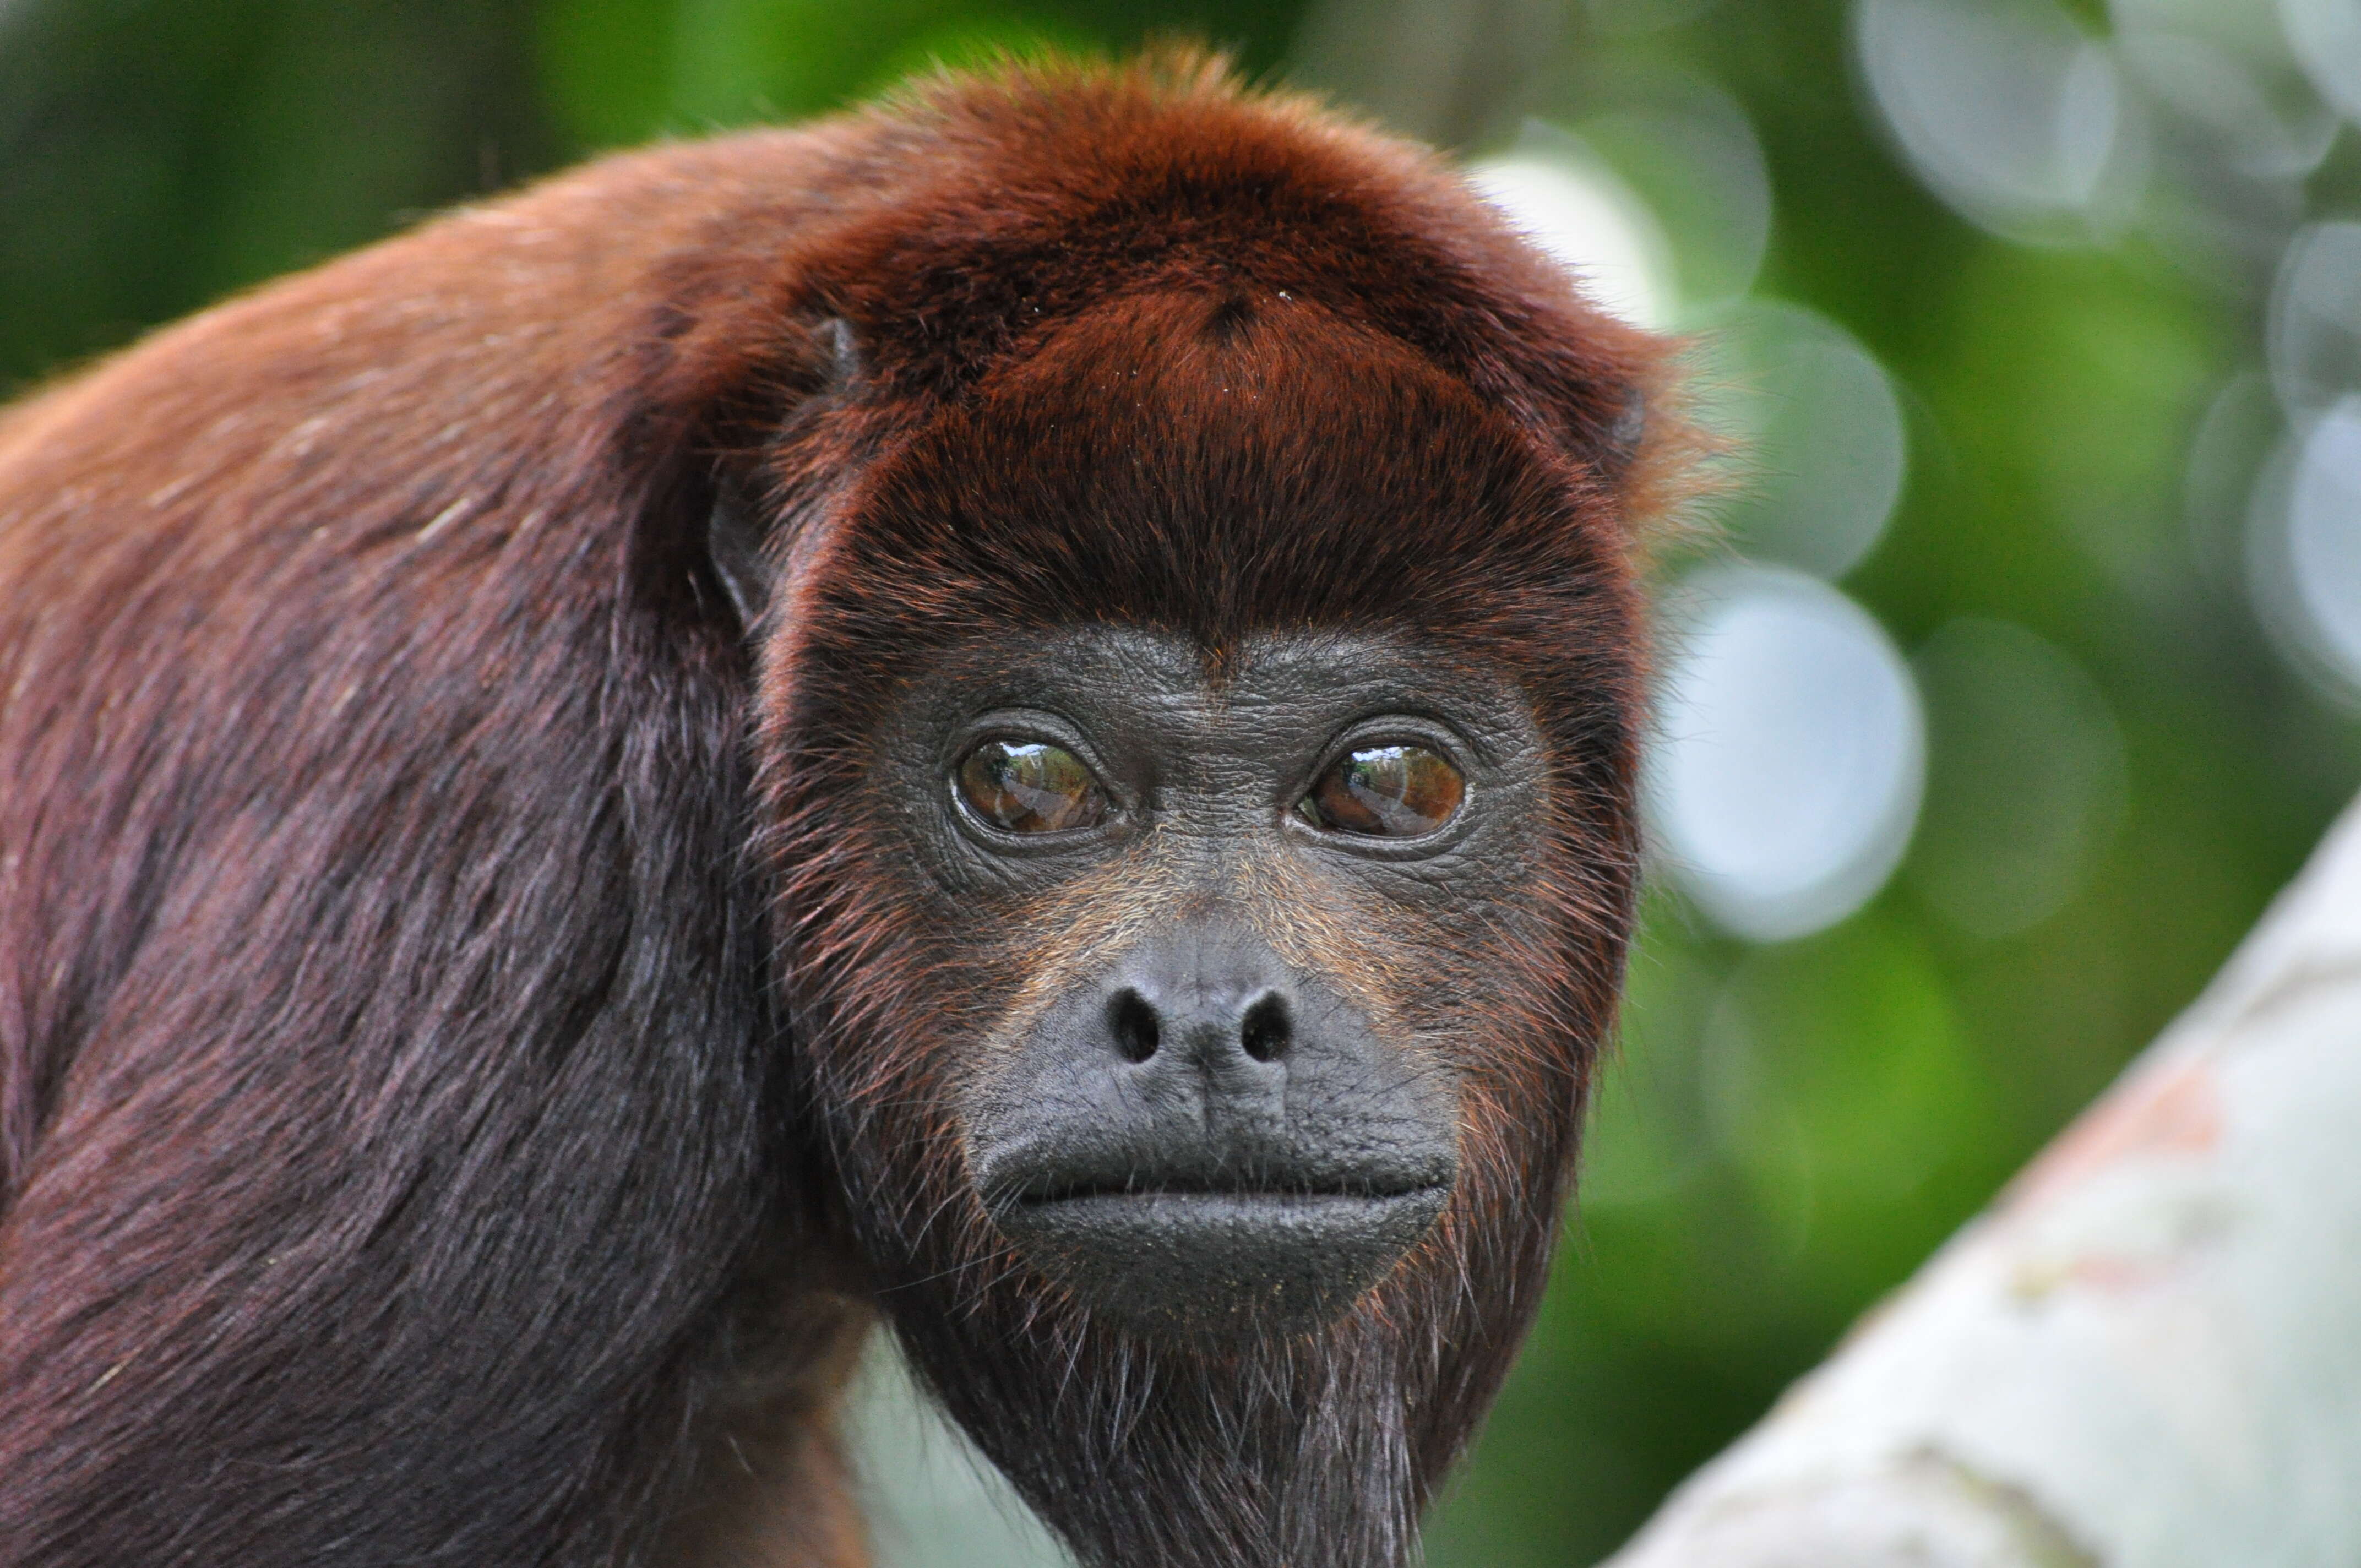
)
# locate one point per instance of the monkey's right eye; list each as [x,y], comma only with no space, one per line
[1030,786]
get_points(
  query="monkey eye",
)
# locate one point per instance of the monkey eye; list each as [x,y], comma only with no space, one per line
[1030,786]
[1385,792]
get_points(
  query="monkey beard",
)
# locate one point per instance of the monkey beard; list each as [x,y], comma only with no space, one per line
[1301,1450]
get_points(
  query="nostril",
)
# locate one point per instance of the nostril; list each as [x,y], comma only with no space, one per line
[1132,1023]
[1265,1031]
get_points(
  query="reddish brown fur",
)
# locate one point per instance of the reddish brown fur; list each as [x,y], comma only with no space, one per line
[404,865]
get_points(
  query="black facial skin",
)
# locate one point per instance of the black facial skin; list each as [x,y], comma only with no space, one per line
[1214,1111]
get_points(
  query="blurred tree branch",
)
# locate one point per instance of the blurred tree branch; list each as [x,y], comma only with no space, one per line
[2146,1355]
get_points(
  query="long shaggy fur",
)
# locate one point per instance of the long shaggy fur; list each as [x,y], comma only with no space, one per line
[471,1054]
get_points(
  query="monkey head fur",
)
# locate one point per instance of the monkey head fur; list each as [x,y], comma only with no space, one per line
[690,511]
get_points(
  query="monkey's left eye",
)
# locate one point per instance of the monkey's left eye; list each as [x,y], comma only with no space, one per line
[1030,786]
[1385,792]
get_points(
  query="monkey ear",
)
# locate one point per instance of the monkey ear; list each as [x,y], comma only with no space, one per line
[737,552]
[1620,443]
[836,341]
[734,536]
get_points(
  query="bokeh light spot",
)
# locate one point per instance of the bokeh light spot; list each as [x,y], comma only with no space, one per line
[1820,430]
[2314,332]
[2327,38]
[1581,214]
[2224,66]
[1787,774]
[2325,531]
[2008,110]
[1689,150]
[2306,547]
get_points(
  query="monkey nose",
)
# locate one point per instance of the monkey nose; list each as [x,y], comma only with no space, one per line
[1209,1036]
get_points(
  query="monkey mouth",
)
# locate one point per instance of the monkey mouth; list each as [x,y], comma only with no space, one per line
[1243,1190]
[1197,1256]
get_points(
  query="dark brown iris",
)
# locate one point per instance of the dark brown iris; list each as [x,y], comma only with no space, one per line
[1030,786]
[1385,792]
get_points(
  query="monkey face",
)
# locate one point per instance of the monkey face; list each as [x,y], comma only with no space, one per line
[1218,1084]
[1207,828]
[1195,773]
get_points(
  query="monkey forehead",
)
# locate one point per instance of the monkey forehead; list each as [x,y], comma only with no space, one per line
[1226,462]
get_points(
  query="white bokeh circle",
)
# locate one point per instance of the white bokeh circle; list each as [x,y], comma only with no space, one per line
[2008,110]
[2326,34]
[2305,547]
[1592,223]
[1789,754]
[2227,66]
[1819,428]
[2313,335]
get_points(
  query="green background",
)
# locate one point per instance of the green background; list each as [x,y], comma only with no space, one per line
[1788,1129]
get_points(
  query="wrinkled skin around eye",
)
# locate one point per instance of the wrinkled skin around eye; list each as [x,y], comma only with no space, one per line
[1385,792]
[1030,786]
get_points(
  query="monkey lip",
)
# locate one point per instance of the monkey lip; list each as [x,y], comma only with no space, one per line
[1197,1258]
[1051,1191]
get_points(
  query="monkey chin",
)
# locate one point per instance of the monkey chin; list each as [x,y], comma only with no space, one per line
[1218,1264]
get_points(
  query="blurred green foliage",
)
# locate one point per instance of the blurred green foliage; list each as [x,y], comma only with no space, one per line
[1787,1130]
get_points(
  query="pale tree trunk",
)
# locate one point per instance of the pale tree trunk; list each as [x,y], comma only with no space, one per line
[2147,1355]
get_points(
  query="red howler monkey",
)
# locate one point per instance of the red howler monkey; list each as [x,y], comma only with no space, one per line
[1014,710]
